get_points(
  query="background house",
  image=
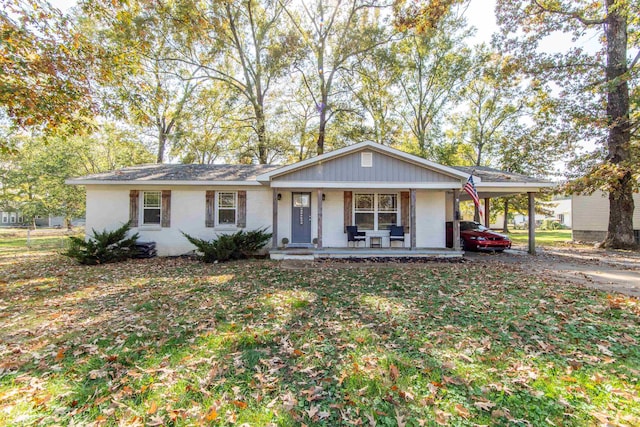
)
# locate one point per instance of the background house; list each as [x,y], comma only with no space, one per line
[590,217]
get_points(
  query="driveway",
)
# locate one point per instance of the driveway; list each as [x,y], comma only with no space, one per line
[607,270]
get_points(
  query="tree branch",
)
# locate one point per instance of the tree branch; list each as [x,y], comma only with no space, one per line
[574,15]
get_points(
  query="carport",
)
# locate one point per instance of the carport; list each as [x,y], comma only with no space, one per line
[491,183]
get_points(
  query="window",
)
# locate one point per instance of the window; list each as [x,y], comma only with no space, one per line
[227,208]
[561,218]
[12,218]
[387,211]
[151,207]
[5,218]
[375,211]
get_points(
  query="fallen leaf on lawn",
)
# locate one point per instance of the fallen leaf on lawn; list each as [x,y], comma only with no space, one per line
[312,411]
[156,420]
[60,355]
[240,404]
[393,371]
[442,418]
[462,411]
[323,415]
[288,401]
[152,409]
[485,406]
[400,419]
[211,415]
[604,350]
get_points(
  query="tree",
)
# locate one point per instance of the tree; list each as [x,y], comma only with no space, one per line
[33,179]
[435,65]
[493,101]
[247,45]
[373,81]
[46,68]
[210,129]
[140,85]
[334,32]
[594,88]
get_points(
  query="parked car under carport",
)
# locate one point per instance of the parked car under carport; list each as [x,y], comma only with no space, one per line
[476,237]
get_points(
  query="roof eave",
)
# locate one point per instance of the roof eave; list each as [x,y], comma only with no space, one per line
[160,182]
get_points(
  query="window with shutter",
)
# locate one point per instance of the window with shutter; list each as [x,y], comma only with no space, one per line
[133,208]
[210,206]
[348,195]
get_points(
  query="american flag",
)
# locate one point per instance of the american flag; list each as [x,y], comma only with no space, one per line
[470,188]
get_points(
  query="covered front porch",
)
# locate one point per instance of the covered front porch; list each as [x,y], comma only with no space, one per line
[397,205]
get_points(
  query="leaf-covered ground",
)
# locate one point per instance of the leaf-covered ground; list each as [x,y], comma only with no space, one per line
[177,342]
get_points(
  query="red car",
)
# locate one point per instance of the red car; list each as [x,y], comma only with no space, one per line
[475,237]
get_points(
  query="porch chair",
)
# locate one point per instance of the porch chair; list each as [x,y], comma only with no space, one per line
[396,234]
[353,235]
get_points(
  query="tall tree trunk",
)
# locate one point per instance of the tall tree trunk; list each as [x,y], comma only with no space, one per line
[162,142]
[263,150]
[621,206]
[323,125]
[505,221]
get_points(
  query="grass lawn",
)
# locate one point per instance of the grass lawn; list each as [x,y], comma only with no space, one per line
[177,342]
[14,240]
[543,237]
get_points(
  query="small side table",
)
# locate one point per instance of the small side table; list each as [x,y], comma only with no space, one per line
[375,241]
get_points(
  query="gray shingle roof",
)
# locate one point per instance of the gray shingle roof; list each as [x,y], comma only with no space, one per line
[180,172]
[494,175]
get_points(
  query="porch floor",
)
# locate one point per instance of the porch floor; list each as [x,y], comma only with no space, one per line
[312,253]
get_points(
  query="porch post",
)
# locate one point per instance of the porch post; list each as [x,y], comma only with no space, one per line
[274,220]
[487,207]
[412,214]
[532,223]
[456,220]
[320,193]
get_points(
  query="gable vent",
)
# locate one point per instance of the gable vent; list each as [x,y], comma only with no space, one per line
[366,159]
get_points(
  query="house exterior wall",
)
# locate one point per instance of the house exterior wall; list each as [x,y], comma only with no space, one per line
[430,213]
[590,216]
[108,208]
[384,169]
[430,219]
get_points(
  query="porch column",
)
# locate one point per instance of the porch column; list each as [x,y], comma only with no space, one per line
[320,193]
[274,220]
[532,223]
[456,220]
[412,218]
[487,207]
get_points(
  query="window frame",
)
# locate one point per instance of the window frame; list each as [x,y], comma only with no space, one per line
[218,208]
[143,208]
[376,211]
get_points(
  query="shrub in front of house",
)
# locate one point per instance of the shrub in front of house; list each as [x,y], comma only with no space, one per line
[103,247]
[225,247]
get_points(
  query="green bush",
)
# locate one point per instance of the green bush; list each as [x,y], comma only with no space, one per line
[225,247]
[551,224]
[103,247]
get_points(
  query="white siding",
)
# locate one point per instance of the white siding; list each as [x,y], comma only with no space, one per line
[430,219]
[333,235]
[108,208]
[591,213]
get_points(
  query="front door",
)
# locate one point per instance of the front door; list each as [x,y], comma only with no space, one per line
[301,218]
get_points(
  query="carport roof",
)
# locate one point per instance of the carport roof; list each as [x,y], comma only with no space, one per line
[490,175]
